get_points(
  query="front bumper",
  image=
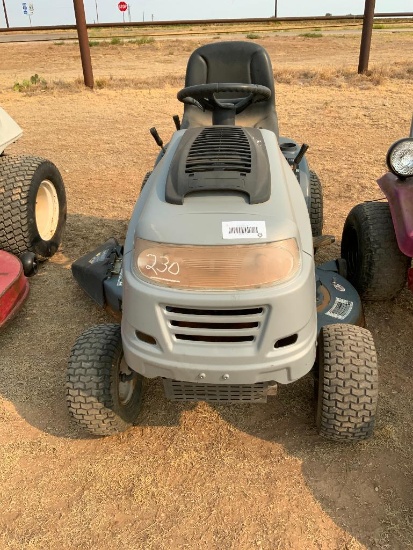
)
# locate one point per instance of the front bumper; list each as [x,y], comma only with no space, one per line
[243,337]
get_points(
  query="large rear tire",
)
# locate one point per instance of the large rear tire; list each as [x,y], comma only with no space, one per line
[103,394]
[32,206]
[347,381]
[376,266]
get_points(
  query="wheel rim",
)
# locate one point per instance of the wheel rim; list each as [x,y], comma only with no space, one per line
[126,387]
[47,210]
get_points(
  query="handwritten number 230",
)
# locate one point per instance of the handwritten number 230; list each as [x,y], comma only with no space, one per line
[161,265]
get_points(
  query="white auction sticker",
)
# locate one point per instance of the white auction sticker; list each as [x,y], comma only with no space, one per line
[244,230]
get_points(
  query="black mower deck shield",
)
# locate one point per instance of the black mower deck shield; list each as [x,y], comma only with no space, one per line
[94,273]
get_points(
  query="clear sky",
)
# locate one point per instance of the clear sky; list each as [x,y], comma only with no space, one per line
[61,11]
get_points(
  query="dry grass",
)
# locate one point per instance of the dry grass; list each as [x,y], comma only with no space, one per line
[341,76]
[327,76]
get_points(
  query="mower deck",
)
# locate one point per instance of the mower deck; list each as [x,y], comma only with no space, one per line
[14,287]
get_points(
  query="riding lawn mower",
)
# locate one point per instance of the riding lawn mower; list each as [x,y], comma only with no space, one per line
[216,287]
[377,240]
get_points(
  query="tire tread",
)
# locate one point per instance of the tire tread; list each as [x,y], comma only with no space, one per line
[316,205]
[89,380]
[381,273]
[348,383]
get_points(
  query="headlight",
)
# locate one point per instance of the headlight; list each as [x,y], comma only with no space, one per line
[216,267]
[400,158]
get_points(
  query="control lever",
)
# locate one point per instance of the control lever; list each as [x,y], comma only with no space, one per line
[303,149]
[177,122]
[157,138]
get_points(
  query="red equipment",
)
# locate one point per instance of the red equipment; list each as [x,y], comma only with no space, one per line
[14,287]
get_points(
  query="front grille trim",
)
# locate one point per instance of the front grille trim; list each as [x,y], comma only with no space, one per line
[220,326]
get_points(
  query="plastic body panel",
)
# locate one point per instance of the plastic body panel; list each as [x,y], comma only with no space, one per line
[199,220]
[290,308]
[14,287]
[10,131]
[399,194]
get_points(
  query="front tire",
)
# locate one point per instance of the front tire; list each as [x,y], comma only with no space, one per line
[32,206]
[376,266]
[347,383]
[103,394]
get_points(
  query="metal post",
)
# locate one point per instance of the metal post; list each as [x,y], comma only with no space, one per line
[275,9]
[366,36]
[5,14]
[83,42]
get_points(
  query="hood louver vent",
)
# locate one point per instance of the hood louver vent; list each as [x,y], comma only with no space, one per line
[220,159]
[219,149]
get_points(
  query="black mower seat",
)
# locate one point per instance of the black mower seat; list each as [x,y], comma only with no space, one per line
[237,62]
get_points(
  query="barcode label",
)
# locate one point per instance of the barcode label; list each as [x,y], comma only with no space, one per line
[244,230]
[341,309]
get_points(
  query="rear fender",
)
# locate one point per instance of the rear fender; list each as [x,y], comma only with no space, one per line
[399,194]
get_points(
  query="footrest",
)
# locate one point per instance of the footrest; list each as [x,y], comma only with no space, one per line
[176,390]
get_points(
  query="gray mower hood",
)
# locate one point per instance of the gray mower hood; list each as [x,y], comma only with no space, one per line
[201,218]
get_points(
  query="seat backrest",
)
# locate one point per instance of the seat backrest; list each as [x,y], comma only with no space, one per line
[232,62]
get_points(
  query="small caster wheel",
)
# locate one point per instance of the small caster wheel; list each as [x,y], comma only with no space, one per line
[30,265]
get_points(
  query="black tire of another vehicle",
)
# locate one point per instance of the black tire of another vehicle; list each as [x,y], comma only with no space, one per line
[375,265]
[32,206]
[347,381]
[97,397]
[316,205]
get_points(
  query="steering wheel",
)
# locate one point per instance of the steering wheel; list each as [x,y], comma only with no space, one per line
[203,96]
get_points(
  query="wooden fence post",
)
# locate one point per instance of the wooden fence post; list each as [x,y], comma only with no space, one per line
[83,42]
[366,36]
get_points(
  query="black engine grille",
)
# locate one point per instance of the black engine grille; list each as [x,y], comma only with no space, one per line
[223,149]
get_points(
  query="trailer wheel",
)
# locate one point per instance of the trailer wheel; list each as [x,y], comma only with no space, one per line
[103,394]
[347,380]
[32,206]
[316,205]
[376,266]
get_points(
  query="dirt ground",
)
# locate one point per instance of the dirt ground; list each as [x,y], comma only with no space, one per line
[187,477]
